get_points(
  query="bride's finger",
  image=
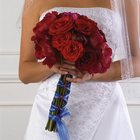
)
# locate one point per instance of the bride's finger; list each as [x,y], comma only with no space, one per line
[68,62]
[56,69]
[61,72]
[68,66]
[87,77]
[83,78]
[73,72]
[75,80]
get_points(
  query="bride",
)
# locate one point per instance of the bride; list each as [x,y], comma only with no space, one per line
[97,104]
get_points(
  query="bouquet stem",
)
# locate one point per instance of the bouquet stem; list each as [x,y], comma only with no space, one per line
[59,102]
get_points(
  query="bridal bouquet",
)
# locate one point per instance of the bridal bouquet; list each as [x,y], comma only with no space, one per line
[77,39]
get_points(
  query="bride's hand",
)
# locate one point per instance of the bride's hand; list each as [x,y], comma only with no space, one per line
[81,77]
[64,68]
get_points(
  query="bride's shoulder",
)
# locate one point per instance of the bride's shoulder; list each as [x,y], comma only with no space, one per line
[33,7]
[103,3]
[48,4]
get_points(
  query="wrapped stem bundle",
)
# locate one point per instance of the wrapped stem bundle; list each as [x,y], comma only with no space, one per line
[58,107]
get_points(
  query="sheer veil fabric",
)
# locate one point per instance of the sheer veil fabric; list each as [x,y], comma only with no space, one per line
[129,12]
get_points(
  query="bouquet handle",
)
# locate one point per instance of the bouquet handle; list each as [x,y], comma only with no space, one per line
[58,108]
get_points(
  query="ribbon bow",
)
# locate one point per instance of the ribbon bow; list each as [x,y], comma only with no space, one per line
[62,130]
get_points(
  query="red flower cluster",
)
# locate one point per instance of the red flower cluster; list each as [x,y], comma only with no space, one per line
[75,38]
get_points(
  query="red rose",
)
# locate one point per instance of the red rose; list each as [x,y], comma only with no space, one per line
[44,50]
[104,55]
[38,52]
[96,39]
[42,26]
[37,38]
[73,15]
[105,62]
[80,37]
[61,41]
[73,51]
[107,51]
[45,46]
[107,56]
[61,25]
[84,25]
[102,33]
[51,60]
[87,62]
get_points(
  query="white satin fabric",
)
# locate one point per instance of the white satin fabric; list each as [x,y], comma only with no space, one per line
[98,109]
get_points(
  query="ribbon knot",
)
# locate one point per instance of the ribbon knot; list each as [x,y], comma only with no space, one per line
[62,130]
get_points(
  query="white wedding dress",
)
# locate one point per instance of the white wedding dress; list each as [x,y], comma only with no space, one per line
[98,109]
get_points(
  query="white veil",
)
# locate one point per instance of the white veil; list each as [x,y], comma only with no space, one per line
[130,36]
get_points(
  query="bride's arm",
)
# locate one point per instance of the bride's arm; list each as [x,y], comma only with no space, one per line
[112,74]
[133,20]
[31,71]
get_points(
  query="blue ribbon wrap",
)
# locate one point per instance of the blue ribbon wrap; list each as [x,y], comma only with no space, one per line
[61,128]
